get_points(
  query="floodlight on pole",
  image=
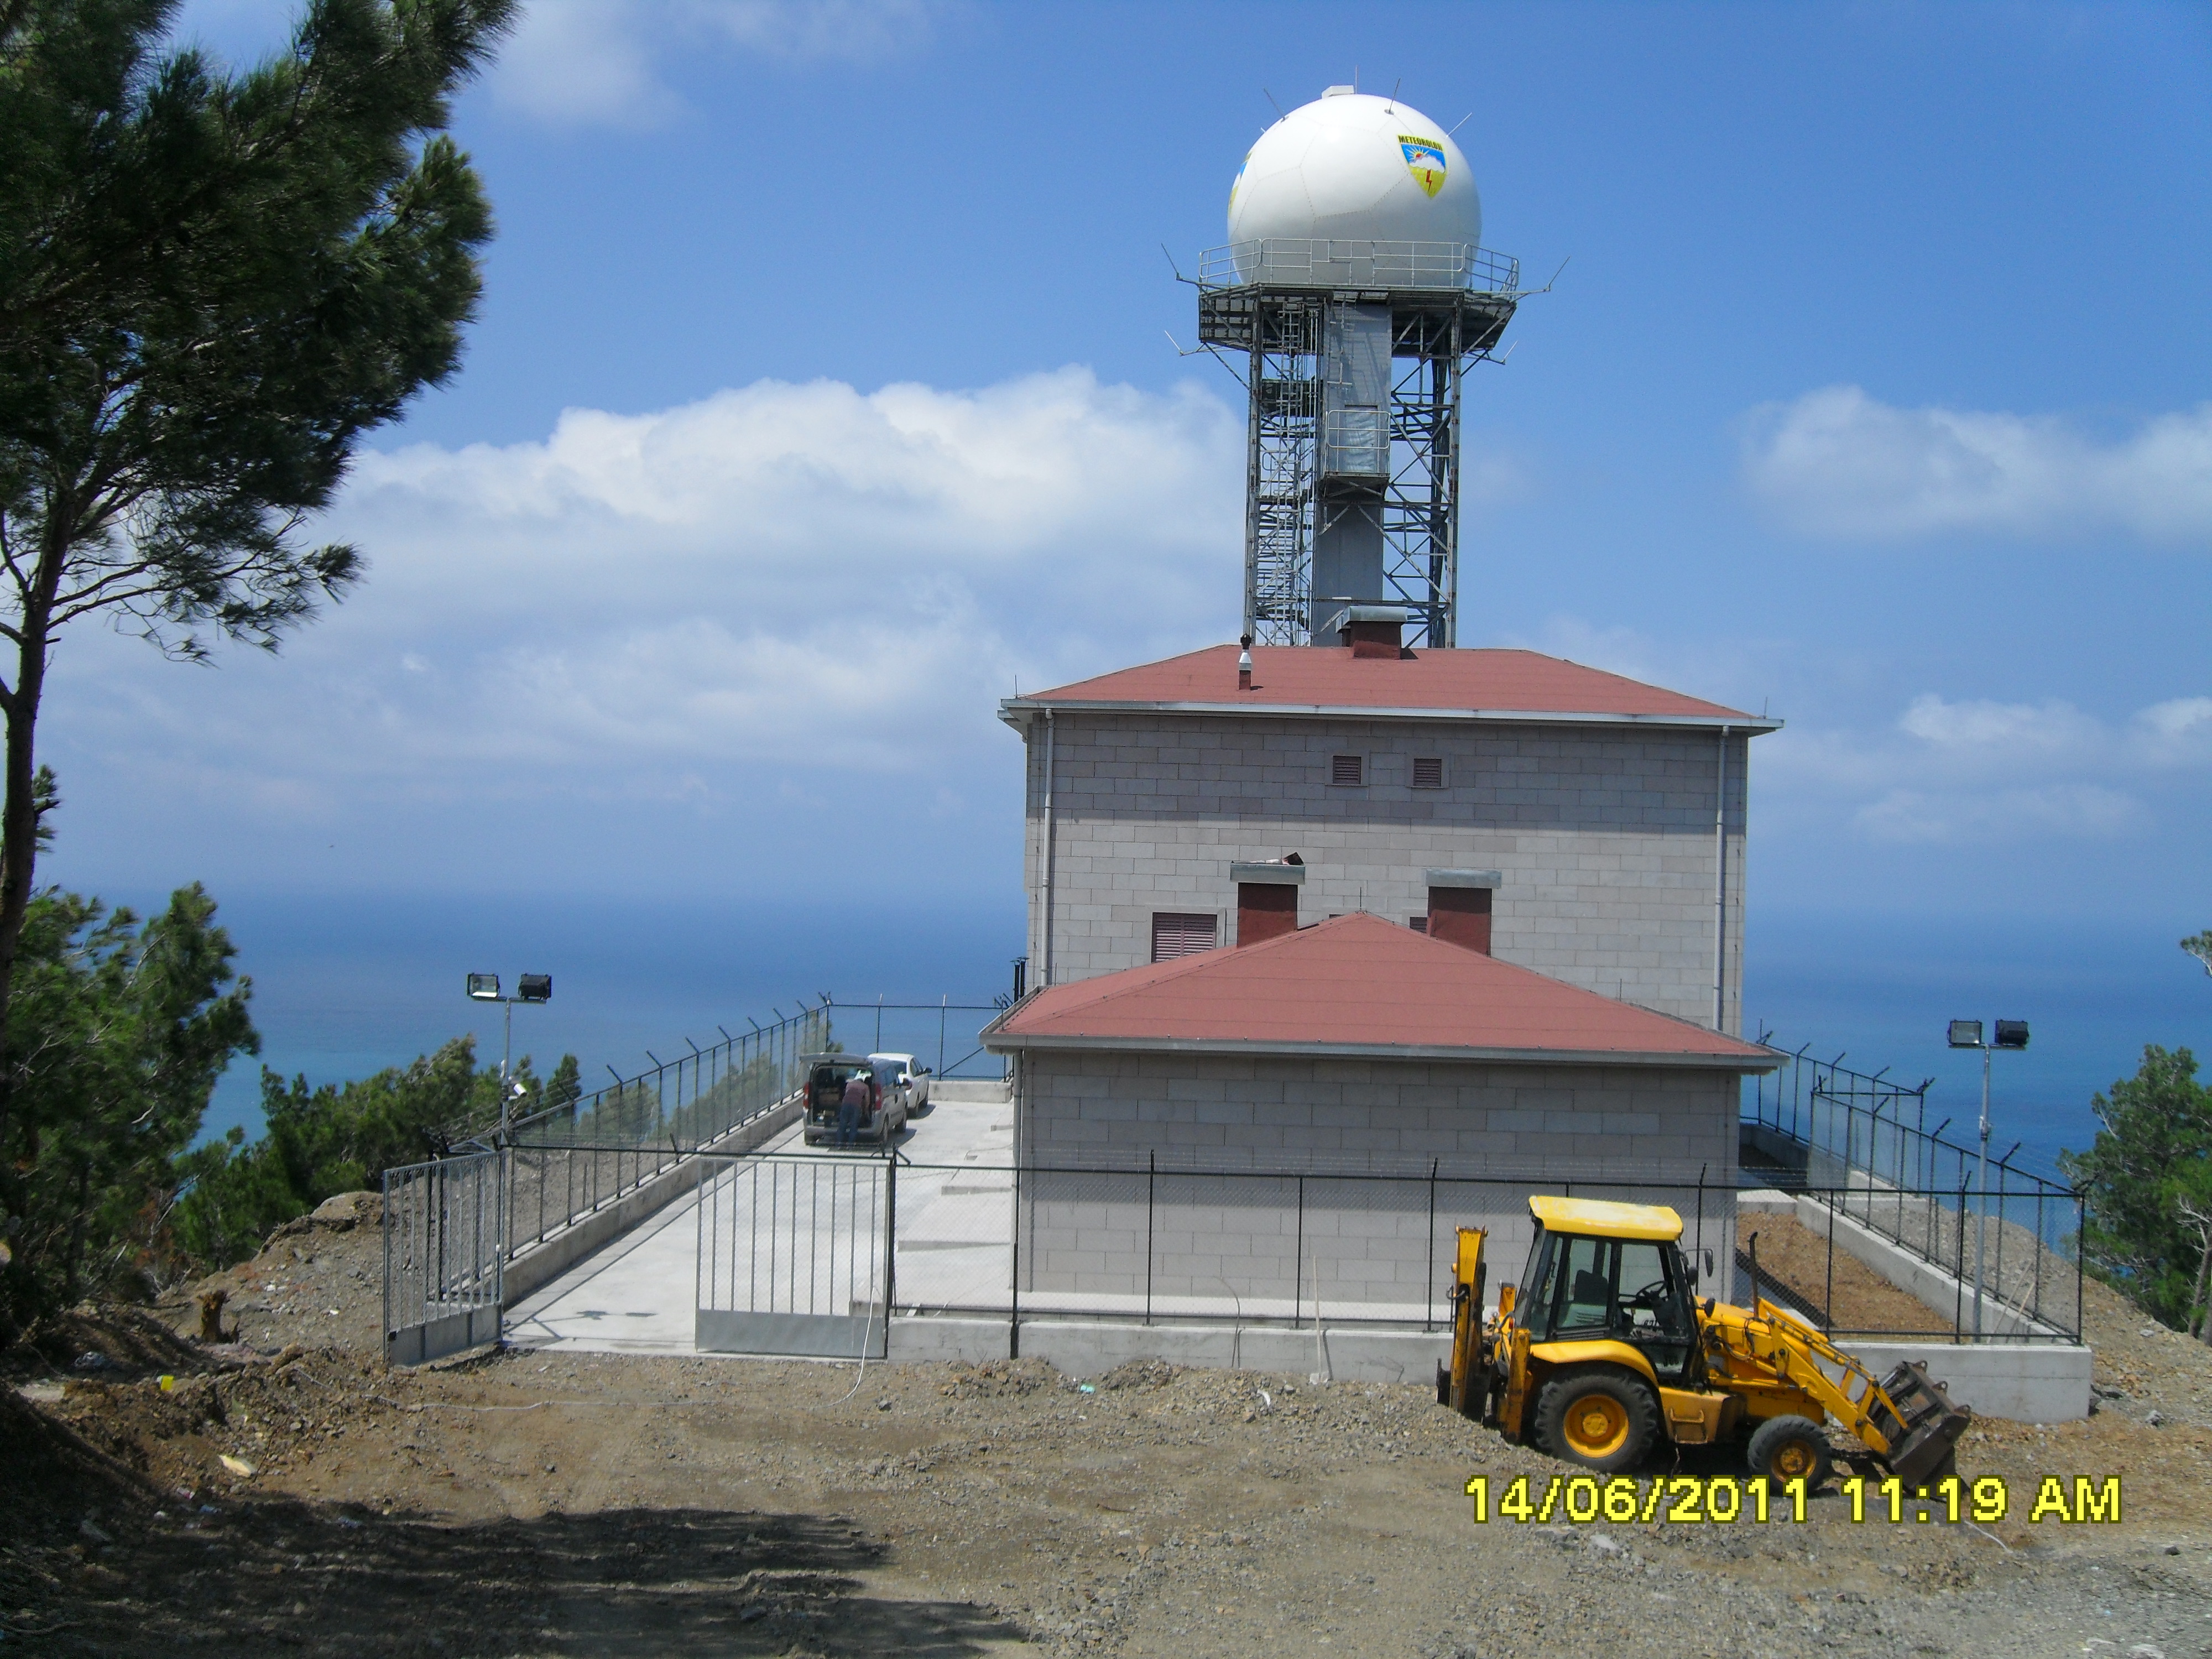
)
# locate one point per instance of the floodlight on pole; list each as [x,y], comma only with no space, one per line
[528,987]
[2010,1034]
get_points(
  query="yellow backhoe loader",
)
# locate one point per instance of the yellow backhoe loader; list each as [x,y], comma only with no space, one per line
[1602,1351]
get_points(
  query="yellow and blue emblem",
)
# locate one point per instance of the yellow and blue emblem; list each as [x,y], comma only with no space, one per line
[1425,160]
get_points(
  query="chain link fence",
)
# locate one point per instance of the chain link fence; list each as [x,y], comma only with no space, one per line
[574,1159]
[1859,1144]
[982,1238]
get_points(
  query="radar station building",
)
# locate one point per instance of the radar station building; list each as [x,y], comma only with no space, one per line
[1595,824]
[1344,897]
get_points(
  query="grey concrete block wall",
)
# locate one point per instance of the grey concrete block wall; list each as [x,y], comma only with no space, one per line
[1281,1113]
[1395,1157]
[1604,833]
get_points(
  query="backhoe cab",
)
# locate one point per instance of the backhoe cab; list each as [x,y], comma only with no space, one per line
[1602,1351]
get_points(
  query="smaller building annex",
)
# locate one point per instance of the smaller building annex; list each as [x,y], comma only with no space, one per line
[1370,1064]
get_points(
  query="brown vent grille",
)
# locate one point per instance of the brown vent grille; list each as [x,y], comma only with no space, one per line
[1428,771]
[1346,768]
[1181,933]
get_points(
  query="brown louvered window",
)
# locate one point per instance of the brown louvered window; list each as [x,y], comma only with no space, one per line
[1418,924]
[1428,771]
[1180,933]
[1345,768]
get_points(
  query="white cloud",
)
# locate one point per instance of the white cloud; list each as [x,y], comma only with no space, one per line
[1836,463]
[2047,728]
[1977,771]
[583,62]
[602,61]
[2175,733]
[2072,812]
[668,610]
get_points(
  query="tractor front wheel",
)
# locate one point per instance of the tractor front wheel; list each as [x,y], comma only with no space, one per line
[1786,1448]
[1602,1418]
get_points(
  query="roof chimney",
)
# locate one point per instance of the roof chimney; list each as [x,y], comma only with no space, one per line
[1266,899]
[1244,663]
[1372,630]
[1459,907]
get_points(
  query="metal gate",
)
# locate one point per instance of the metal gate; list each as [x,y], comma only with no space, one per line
[794,1256]
[443,1260]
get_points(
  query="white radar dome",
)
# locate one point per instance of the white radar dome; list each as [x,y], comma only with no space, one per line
[1353,166]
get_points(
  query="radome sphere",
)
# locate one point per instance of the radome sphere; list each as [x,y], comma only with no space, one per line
[1354,167]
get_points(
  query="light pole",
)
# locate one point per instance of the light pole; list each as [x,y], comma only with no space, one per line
[1967,1034]
[528,987]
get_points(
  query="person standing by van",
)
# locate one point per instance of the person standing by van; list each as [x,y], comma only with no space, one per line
[851,1109]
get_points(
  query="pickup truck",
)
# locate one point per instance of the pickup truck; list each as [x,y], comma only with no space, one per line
[882,1120]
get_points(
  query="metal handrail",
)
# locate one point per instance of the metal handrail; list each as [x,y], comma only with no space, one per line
[1332,262]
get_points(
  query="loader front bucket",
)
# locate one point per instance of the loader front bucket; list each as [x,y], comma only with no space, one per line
[1930,1424]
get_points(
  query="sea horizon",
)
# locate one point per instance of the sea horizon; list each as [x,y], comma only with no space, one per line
[347,985]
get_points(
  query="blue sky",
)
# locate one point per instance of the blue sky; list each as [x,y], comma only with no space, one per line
[823,391]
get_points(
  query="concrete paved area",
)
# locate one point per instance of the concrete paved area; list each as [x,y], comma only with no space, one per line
[641,1294]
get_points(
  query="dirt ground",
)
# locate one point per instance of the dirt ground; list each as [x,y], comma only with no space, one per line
[520,1504]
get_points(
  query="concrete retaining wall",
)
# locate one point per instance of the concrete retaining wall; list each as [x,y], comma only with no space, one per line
[2021,1382]
[543,1263]
[2027,1381]
[970,1091]
[1087,1348]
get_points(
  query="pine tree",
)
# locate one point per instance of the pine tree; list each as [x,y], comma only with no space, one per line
[211,286]
[120,1034]
[2150,1164]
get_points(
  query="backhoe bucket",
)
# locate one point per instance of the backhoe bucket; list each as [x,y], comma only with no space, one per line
[1931,1425]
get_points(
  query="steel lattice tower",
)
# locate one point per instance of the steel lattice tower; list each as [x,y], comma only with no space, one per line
[1354,355]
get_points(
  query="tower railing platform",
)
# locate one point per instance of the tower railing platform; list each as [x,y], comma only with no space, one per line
[1331,264]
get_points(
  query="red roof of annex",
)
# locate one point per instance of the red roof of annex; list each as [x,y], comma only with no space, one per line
[1359,985]
[1308,680]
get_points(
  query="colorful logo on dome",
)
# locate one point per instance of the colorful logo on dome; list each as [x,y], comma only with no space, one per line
[1425,160]
[1237,184]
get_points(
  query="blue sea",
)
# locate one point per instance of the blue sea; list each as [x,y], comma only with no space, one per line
[345,986]
[1882,989]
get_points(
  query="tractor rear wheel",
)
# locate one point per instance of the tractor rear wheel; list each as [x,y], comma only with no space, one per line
[1599,1418]
[1786,1448]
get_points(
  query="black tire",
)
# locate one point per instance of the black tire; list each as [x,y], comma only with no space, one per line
[1785,1449]
[1599,1417]
[1443,1384]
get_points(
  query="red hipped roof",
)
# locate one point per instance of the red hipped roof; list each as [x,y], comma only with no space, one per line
[1359,985]
[1311,679]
